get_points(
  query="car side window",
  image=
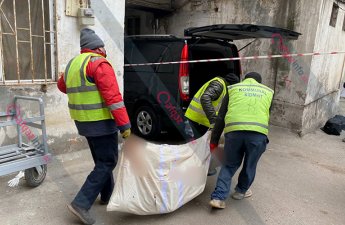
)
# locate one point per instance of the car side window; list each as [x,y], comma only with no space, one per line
[146,52]
[166,57]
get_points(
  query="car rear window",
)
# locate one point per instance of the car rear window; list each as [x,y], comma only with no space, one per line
[144,51]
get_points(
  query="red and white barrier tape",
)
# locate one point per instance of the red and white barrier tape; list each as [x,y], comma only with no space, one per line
[237,58]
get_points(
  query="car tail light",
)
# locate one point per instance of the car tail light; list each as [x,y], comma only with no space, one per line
[184,81]
[184,74]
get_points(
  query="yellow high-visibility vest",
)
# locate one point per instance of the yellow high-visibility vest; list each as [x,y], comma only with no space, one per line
[195,111]
[248,108]
[84,100]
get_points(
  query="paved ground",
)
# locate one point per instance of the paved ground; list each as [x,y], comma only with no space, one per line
[299,181]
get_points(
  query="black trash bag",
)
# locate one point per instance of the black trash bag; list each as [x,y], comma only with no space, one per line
[335,125]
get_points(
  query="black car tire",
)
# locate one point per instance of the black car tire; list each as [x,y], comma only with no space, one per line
[33,178]
[146,122]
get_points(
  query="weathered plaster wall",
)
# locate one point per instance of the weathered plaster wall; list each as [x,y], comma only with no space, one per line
[288,77]
[326,71]
[109,26]
[62,134]
[291,84]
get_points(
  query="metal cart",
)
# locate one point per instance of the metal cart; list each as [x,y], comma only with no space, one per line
[31,157]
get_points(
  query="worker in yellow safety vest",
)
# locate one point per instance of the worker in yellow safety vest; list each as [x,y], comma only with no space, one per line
[203,109]
[97,108]
[244,117]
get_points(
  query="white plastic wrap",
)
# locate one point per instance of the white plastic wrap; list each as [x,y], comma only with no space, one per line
[156,179]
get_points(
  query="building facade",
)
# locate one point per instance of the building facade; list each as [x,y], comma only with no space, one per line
[37,40]
[39,37]
[306,88]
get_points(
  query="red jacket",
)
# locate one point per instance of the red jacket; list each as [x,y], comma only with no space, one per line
[102,74]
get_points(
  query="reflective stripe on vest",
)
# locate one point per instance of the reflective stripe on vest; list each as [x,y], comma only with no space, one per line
[116,106]
[84,100]
[246,123]
[195,111]
[81,89]
[248,107]
[87,106]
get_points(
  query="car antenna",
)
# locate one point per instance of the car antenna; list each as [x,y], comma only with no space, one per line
[247,45]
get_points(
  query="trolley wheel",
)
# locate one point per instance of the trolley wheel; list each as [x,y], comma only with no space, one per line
[34,177]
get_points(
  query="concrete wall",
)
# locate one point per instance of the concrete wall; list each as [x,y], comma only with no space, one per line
[62,133]
[291,75]
[326,71]
[294,92]
[109,26]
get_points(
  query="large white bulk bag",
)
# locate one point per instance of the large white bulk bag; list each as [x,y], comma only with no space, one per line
[154,179]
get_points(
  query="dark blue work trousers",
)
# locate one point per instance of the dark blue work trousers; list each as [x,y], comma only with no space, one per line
[104,150]
[246,146]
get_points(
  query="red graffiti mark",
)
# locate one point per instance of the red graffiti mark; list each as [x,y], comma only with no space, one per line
[286,54]
[305,78]
[30,136]
[13,109]
[46,158]
[277,35]
[163,97]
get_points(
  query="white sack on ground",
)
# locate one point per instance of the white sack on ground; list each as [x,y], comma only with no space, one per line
[156,179]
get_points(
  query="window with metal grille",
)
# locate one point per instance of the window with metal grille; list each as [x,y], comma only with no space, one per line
[334,15]
[27,41]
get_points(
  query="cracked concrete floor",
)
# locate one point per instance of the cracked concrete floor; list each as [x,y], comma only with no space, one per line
[299,181]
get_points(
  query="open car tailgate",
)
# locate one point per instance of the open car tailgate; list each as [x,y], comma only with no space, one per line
[232,32]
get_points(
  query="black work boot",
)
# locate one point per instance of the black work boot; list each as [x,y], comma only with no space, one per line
[82,214]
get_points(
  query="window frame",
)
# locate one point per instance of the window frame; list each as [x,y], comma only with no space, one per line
[48,37]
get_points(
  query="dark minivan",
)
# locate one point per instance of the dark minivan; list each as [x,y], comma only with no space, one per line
[157,95]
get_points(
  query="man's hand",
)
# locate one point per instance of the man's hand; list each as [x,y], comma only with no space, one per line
[125,134]
[213,146]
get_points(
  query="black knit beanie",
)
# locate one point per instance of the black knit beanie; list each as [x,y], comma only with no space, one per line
[89,39]
[231,78]
[255,76]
